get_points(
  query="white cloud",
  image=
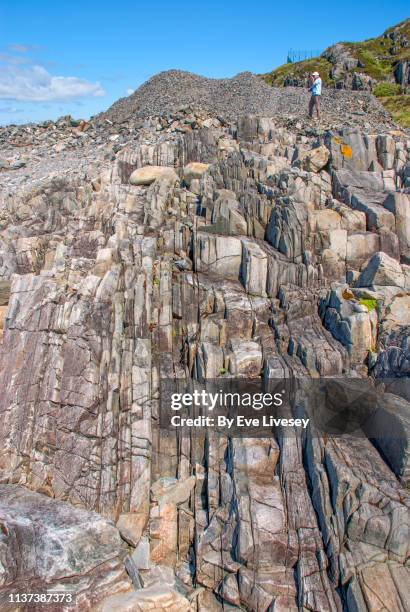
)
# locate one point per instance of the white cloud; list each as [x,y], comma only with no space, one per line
[35,84]
[13,59]
[22,48]
[129,91]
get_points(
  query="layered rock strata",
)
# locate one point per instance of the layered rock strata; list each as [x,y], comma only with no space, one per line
[258,251]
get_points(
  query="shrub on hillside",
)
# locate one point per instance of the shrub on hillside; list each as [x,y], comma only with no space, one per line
[383,90]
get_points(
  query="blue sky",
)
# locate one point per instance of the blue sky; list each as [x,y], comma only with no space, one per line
[78,57]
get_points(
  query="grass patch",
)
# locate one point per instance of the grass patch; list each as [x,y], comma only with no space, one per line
[378,50]
[371,64]
[387,89]
[370,303]
[399,107]
[299,70]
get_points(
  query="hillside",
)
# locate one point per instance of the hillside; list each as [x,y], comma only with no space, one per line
[380,64]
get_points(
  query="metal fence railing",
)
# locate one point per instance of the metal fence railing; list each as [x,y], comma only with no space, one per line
[297,55]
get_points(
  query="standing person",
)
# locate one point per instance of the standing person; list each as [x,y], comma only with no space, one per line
[315,87]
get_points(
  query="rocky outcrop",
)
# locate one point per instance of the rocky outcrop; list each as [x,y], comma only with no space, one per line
[358,66]
[382,270]
[150,598]
[271,253]
[399,205]
[149,174]
[50,545]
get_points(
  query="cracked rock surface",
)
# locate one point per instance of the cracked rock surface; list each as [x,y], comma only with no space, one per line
[262,249]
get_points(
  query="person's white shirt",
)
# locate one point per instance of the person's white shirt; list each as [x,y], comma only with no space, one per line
[316,87]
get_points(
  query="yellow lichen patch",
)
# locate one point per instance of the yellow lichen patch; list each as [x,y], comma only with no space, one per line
[346,151]
[348,295]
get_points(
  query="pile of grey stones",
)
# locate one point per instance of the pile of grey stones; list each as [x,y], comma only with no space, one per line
[245,94]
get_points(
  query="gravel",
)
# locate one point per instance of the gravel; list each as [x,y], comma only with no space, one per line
[245,93]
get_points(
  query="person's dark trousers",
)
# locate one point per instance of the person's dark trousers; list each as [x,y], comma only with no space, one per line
[314,103]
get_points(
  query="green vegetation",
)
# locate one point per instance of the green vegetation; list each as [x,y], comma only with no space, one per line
[222,371]
[376,67]
[380,54]
[399,107]
[387,89]
[377,57]
[370,303]
[299,70]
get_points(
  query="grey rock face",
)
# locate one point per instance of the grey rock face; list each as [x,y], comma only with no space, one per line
[350,323]
[399,205]
[246,264]
[50,545]
[382,270]
[157,597]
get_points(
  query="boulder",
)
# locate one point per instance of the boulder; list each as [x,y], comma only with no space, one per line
[194,170]
[397,312]
[381,270]
[148,174]
[352,220]
[346,178]
[246,358]
[155,598]
[161,574]
[333,266]
[352,149]
[360,247]
[141,555]
[171,490]
[314,159]
[399,205]
[287,228]
[58,547]
[377,217]
[131,526]
[324,220]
